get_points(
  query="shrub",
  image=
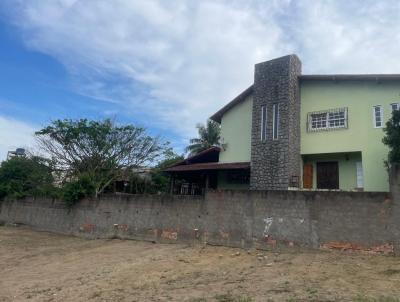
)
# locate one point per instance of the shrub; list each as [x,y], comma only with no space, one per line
[392,138]
[76,190]
[26,176]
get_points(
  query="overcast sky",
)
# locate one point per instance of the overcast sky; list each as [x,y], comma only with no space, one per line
[168,65]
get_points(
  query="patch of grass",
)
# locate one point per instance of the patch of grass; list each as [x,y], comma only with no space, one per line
[362,298]
[312,292]
[391,271]
[198,300]
[231,298]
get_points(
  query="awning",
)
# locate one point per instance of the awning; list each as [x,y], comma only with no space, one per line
[209,166]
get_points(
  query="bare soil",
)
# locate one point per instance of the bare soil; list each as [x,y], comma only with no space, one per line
[39,266]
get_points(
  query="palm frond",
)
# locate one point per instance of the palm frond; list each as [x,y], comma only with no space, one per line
[208,136]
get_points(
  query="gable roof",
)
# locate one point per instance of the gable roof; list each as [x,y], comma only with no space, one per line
[323,77]
[240,98]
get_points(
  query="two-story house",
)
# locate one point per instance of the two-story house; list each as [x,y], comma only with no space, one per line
[289,130]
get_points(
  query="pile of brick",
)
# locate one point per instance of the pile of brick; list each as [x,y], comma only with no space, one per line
[385,249]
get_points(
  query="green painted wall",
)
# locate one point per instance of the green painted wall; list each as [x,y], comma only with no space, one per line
[347,167]
[224,185]
[236,132]
[359,97]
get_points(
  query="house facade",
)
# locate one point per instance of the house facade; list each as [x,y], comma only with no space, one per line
[289,130]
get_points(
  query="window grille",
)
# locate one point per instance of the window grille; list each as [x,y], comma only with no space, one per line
[378,116]
[395,106]
[327,120]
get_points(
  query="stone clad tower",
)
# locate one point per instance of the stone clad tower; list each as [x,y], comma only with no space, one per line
[275,135]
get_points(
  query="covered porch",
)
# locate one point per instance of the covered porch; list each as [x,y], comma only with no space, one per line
[199,173]
[196,179]
[333,171]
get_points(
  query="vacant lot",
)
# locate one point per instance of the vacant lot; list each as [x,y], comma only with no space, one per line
[37,266]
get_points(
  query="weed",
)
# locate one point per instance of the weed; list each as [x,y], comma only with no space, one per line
[391,271]
[231,298]
[362,298]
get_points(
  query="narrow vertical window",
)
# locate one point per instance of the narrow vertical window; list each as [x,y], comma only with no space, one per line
[360,175]
[263,123]
[275,122]
[395,106]
[378,116]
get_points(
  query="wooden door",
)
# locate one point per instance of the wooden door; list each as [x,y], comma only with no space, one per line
[307,176]
[328,175]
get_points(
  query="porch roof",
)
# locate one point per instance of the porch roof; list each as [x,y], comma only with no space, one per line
[209,166]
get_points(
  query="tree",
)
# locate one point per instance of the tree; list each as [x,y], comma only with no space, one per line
[100,151]
[160,181]
[26,176]
[209,136]
[392,137]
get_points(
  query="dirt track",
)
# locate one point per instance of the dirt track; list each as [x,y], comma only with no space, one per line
[37,266]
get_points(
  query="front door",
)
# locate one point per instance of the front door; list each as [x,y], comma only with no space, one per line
[308,176]
[328,175]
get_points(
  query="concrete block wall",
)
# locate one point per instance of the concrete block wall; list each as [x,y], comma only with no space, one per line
[261,219]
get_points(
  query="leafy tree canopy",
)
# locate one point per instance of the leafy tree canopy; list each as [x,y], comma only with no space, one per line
[100,151]
[392,137]
[208,136]
[26,176]
[160,181]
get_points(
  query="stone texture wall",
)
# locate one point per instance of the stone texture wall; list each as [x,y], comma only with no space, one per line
[261,219]
[274,162]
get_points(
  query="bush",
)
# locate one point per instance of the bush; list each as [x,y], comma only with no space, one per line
[74,191]
[26,176]
[392,138]
[160,180]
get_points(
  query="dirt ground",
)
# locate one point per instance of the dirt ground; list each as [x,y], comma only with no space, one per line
[39,266]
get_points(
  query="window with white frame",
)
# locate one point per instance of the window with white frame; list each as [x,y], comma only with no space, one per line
[378,116]
[395,106]
[327,119]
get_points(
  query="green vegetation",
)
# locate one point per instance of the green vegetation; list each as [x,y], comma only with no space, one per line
[232,298]
[209,136]
[101,151]
[391,271]
[392,138]
[362,298]
[77,189]
[87,158]
[160,181]
[26,176]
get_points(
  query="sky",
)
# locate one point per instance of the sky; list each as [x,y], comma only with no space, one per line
[168,65]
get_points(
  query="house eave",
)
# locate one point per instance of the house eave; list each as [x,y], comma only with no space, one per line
[240,98]
[349,77]
[210,166]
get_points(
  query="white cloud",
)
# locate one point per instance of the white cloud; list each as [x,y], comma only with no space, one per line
[191,56]
[173,63]
[348,36]
[15,134]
